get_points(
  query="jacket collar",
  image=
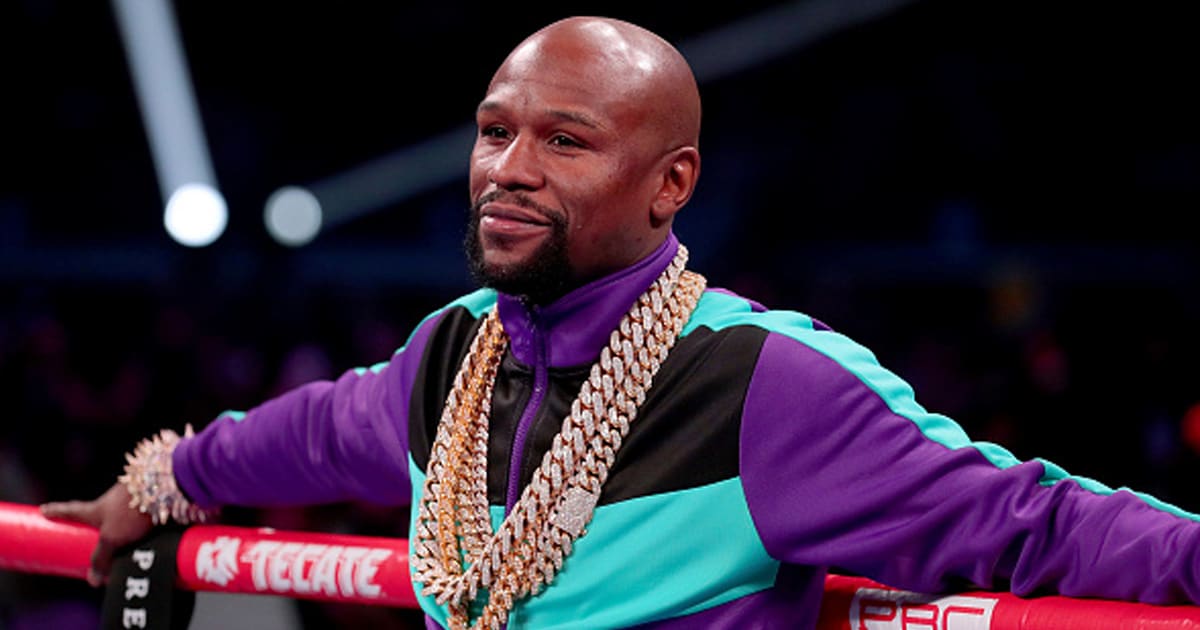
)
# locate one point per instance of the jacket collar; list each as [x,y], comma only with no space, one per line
[576,327]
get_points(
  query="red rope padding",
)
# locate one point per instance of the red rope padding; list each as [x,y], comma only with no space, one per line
[372,570]
[853,603]
[328,567]
[32,544]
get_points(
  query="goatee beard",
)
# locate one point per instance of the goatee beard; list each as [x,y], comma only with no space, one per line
[543,277]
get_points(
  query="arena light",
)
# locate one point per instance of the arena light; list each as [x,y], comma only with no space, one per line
[378,183]
[777,31]
[293,216]
[194,211]
[195,215]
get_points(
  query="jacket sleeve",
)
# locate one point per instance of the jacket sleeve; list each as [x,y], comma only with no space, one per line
[322,442]
[842,468]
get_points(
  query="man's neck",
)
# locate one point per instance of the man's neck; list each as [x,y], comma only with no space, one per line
[574,326]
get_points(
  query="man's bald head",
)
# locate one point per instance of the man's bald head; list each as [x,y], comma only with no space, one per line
[627,61]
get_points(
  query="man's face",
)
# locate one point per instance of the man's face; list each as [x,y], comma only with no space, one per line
[561,175]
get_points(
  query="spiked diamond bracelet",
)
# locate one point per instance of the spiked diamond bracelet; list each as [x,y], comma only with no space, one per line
[151,482]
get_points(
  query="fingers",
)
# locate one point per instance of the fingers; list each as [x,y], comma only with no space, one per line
[88,513]
[78,511]
[102,559]
[117,522]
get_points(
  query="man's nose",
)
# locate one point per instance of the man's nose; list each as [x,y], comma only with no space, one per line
[518,166]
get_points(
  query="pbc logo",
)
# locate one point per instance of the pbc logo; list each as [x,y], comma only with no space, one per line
[293,568]
[879,609]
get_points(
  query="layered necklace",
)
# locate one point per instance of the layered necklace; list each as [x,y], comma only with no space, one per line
[455,554]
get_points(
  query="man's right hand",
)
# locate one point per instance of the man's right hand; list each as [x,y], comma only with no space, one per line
[119,525]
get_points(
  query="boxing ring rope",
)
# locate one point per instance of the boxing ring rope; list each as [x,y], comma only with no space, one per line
[374,571]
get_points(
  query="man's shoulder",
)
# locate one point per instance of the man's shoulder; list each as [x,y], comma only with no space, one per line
[784,337]
[721,309]
[467,308]
[476,303]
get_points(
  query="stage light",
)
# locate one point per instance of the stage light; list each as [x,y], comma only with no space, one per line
[293,216]
[196,215]
[195,212]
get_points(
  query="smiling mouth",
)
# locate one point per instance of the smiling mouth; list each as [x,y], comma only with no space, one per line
[495,226]
[508,219]
[504,213]
[504,225]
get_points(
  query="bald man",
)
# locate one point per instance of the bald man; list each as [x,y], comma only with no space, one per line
[596,440]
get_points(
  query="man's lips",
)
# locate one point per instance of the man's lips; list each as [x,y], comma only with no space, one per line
[512,213]
[504,219]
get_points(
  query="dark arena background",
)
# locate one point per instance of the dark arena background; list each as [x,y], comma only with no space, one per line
[997,198]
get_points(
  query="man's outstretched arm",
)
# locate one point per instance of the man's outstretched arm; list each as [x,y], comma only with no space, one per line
[322,442]
[843,469]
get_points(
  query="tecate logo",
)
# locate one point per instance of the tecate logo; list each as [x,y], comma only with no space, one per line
[293,568]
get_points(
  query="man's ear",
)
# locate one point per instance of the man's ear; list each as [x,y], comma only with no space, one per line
[678,181]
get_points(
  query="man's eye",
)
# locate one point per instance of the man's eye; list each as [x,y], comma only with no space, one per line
[494,132]
[564,141]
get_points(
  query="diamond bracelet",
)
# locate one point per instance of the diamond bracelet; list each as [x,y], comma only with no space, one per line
[151,482]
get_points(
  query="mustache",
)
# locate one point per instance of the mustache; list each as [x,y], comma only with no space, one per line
[520,200]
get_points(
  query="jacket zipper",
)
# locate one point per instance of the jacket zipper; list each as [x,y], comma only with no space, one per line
[541,380]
